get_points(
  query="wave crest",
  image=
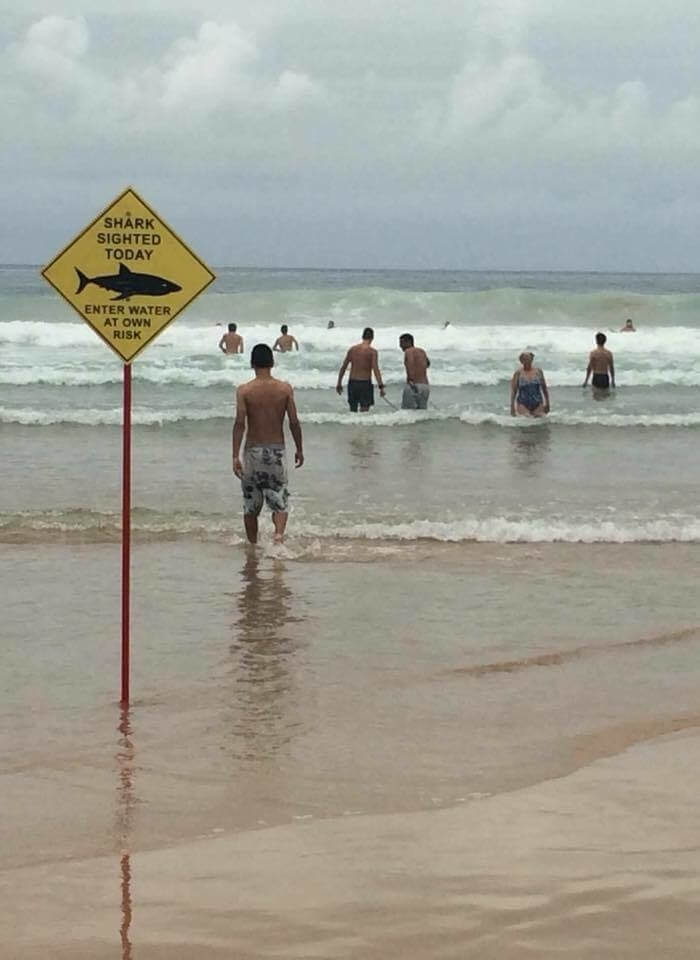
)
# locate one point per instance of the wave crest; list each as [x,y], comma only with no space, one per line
[94,526]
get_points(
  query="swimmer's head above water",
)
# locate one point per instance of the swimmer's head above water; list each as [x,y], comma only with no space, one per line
[526,358]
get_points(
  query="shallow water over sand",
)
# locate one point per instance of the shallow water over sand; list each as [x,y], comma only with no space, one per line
[265,689]
[266,697]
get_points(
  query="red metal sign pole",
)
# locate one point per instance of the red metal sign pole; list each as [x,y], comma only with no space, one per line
[126,531]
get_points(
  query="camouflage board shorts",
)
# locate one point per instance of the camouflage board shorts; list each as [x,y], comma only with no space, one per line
[264,478]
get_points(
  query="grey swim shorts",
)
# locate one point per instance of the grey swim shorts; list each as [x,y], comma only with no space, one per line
[415,397]
[264,478]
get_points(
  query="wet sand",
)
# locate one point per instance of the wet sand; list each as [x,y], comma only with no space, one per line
[604,862]
[497,765]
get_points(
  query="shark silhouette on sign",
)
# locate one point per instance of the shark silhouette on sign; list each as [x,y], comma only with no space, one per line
[127,284]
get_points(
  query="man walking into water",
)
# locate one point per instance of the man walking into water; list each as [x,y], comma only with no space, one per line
[363,362]
[231,342]
[285,342]
[416,362]
[261,406]
[600,364]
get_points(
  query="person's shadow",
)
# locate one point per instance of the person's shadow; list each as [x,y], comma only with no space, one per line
[262,661]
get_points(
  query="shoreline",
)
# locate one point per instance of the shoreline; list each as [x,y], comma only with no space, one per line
[601,862]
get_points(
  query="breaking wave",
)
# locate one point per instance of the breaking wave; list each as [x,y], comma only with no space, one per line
[97,417]
[147,525]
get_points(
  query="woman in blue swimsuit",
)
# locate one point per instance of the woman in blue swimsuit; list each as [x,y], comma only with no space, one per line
[529,396]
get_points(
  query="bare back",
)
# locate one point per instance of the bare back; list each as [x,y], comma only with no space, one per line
[601,360]
[362,359]
[416,362]
[232,343]
[262,405]
[285,343]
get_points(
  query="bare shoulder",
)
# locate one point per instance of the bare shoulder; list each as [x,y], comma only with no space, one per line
[243,390]
[284,387]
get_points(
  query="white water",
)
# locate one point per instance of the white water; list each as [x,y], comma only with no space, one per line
[95,526]
[465,467]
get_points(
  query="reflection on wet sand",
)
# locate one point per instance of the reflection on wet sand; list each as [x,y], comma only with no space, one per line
[413,452]
[363,447]
[529,446]
[125,805]
[264,699]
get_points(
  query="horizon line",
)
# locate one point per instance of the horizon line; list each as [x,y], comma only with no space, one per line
[384,269]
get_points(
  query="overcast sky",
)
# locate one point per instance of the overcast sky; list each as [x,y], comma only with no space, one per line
[512,134]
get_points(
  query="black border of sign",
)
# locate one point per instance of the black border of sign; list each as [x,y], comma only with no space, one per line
[82,234]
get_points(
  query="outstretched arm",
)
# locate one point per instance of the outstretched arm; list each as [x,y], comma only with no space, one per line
[295,428]
[238,431]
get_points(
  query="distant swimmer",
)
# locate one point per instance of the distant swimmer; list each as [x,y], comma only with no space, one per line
[261,406]
[529,396]
[286,342]
[600,364]
[416,362]
[363,362]
[231,342]
[629,327]
[331,325]
[445,324]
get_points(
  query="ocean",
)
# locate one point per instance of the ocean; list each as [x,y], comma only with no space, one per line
[618,470]
[451,716]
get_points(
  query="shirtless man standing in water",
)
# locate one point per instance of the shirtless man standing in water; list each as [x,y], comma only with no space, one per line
[363,362]
[261,405]
[285,342]
[417,389]
[231,342]
[600,364]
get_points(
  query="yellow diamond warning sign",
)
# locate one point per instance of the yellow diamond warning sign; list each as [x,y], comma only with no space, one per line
[128,275]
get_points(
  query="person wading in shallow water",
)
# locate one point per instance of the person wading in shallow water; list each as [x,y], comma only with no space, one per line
[416,362]
[529,396]
[363,362]
[601,365]
[285,342]
[261,406]
[231,342]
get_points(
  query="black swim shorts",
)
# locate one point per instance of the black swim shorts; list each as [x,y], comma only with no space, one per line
[360,394]
[601,381]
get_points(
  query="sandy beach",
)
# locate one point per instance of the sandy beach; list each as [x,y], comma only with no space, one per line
[452,713]
[439,785]
[603,862]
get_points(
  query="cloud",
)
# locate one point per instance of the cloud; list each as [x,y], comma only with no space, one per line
[220,67]
[52,48]
[452,112]
[208,68]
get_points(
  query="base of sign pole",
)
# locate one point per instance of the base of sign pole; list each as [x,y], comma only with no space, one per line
[126,534]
